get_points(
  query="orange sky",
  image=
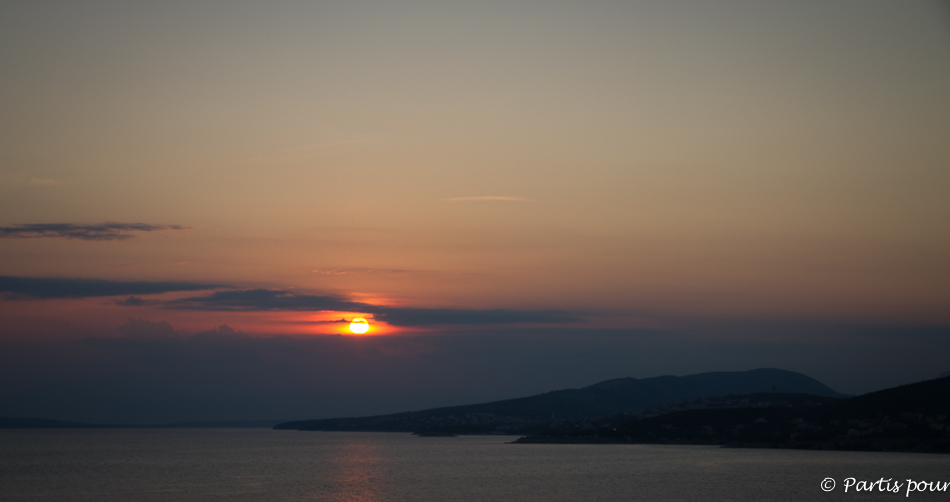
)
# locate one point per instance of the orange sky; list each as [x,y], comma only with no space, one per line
[629,164]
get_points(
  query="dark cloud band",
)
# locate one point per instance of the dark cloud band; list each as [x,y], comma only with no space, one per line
[108,231]
[49,288]
[436,317]
[266,299]
[276,300]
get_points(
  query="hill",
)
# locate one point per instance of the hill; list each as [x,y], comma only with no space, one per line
[564,408]
[907,418]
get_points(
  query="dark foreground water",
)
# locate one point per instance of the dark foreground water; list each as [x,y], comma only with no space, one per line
[255,464]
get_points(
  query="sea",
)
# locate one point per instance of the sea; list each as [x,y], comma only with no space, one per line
[265,465]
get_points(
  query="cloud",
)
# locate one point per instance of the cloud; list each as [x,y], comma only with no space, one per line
[344,271]
[266,299]
[442,317]
[108,231]
[270,300]
[48,288]
[132,301]
[332,271]
[489,197]
[255,300]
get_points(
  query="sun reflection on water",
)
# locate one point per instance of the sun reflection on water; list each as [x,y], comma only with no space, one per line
[359,475]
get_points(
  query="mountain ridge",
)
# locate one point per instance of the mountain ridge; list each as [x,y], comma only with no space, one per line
[606,398]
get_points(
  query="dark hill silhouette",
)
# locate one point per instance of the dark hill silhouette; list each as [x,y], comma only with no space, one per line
[611,397]
[911,417]
[931,397]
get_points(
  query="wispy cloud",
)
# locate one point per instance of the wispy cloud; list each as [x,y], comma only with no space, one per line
[108,231]
[50,288]
[489,198]
[332,271]
[344,271]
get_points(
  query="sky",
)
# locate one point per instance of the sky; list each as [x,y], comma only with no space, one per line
[197,197]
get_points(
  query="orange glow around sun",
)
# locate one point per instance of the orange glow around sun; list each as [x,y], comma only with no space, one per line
[359,326]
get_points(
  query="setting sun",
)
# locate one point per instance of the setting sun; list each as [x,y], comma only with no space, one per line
[359,325]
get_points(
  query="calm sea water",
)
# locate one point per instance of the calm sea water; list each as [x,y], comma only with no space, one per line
[266,465]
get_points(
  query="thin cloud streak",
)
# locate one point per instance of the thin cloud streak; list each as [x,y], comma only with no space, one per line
[108,231]
[489,198]
[378,271]
[57,288]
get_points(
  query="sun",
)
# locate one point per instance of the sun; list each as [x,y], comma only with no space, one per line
[359,326]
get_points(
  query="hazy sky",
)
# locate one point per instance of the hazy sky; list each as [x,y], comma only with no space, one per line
[719,171]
